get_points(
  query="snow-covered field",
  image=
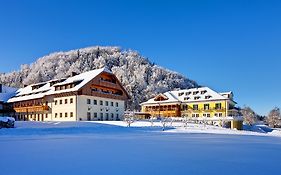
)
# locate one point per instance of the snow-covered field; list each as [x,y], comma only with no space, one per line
[37,148]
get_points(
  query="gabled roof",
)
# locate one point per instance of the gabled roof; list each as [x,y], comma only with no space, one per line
[190,95]
[47,88]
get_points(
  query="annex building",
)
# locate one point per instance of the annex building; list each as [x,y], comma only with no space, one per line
[196,103]
[92,95]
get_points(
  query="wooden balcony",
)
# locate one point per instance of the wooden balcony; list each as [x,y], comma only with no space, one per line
[40,108]
[108,84]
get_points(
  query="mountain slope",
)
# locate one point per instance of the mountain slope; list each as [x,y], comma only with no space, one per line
[141,78]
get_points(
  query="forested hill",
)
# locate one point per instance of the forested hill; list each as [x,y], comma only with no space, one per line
[140,77]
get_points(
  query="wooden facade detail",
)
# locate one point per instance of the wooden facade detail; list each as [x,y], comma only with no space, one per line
[105,85]
[28,109]
[164,110]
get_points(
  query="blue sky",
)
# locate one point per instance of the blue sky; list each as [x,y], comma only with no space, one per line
[227,45]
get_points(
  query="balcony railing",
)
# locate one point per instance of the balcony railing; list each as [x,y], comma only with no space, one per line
[32,108]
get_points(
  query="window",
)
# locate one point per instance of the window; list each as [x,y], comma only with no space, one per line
[60,115]
[56,102]
[88,116]
[184,107]
[208,115]
[65,101]
[95,102]
[101,102]
[206,106]
[196,98]
[180,94]
[106,103]
[208,97]
[60,102]
[95,115]
[186,98]
[195,92]
[220,114]
[101,116]
[112,115]
[117,116]
[88,101]
[195,107]
[203,92]
[107,115]
[71,100]
[56,115]
[111,103]
[197,115]
[65,115]
[71,114]
[46,115]
[187,93]
[193,115]
[218,105]
[116,104]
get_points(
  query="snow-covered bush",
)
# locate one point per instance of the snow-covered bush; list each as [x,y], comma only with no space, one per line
[274,118]
[7,122]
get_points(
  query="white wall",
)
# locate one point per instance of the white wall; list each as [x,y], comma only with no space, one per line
[58,109]
[83,108]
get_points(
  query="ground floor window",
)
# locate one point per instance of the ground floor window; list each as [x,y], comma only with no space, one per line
[88,116]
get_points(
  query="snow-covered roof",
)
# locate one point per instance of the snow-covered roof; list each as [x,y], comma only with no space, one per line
[48,88]
[190,95]
[6,93]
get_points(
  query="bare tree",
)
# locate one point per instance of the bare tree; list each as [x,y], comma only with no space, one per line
[151,120]
[249,115]
[129,118]
[185,121]
[164,121]
[274,118]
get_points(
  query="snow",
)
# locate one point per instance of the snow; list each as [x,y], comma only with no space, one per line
[6,119]
[57,148]
[174,97]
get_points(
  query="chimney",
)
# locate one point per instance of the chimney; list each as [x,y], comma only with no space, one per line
[73,74]
[0,88]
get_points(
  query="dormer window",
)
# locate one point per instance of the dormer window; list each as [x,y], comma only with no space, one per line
[186,98]
[196,98]
[195,92]
[180,94]
[203,92]
[187,93]
[208,97]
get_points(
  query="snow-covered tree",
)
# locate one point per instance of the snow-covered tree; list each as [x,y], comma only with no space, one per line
[249,115]
[274,118]
[140,77]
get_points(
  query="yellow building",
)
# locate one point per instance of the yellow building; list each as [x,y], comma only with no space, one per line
[194,103]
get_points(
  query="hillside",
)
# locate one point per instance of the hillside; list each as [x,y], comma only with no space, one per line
[141,78]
